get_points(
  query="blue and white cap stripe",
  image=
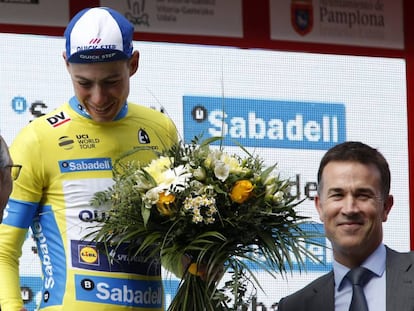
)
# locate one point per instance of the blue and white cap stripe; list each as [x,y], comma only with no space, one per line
[98,35]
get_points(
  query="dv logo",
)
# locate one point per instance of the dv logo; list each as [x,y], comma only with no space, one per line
[58,119]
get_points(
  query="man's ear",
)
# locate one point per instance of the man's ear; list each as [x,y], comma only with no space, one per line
[133,63]
[65,59]
[388,204]
[318,207]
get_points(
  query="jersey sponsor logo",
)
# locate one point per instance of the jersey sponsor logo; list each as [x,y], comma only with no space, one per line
[66,142]
[58,119]
[46,258]
[134,293]
[52,256]
[265,123]
[86,142]
[88,255]
[143,137]
[84,165]
[95,215]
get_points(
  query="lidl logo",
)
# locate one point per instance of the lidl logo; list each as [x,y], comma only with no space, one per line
[88,254]
[265,123]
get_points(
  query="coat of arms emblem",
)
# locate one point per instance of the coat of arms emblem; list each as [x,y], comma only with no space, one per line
[301,15]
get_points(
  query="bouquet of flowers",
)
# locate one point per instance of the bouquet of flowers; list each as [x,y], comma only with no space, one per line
[211,212]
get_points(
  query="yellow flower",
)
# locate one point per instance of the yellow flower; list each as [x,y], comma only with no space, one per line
[242,190]
[193,269]
[158,166]
[232,162]
[164,204]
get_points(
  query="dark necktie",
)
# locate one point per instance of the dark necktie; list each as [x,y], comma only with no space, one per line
[358,276]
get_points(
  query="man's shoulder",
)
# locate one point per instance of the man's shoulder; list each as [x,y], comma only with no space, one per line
[52,119]
[141,109]
[301,296]
[394,256]
[147,113]
[313,286]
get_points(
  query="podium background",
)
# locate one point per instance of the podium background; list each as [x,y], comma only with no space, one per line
[256,87]
[260,64]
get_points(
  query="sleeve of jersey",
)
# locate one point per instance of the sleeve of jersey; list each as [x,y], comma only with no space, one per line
[11,241]
[18,215]
[13,231]
[28,151]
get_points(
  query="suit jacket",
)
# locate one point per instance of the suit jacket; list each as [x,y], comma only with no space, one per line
[319,295]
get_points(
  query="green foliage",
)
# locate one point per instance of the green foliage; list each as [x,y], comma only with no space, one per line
[219,210]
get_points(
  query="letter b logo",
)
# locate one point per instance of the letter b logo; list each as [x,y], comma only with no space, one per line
[87,284]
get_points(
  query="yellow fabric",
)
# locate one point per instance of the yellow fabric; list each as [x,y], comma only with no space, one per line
[66,158]
[11,241]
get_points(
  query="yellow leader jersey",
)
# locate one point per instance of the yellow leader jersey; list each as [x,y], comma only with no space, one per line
[67,157]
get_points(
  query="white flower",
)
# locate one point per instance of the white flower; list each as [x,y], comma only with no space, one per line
[209,220]
[232,162]
[197,187]
[278,196]
[221,170]
[199,173]
[158,166]
[141,182]
[197,218]
[151,197]
[211,209]
[209,190]
[176,178]
[212,157]
[270,189]
[194,206]
[270,180]
[223,164]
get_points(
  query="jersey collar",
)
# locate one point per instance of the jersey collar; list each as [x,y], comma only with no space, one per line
[76,105]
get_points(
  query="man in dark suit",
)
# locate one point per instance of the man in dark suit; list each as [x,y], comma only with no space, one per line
[353,201]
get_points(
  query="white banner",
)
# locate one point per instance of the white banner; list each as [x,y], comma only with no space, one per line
[34,12]
[338,97]
[188,17]
[371,23]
